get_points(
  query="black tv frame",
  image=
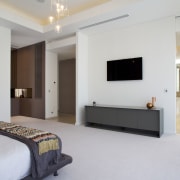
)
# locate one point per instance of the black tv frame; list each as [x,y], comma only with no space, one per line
[125,69]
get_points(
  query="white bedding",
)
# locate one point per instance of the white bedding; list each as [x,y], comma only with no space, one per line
[14,159]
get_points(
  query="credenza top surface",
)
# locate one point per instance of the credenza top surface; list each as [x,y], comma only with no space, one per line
[124,107]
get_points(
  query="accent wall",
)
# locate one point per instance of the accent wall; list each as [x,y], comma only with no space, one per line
[155,41]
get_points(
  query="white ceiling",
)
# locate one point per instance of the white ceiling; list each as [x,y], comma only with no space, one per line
[27,18]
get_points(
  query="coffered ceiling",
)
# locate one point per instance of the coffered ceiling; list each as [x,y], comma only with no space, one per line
[27,19]
[38,10]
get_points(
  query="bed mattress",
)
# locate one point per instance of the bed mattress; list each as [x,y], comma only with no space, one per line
[15,161]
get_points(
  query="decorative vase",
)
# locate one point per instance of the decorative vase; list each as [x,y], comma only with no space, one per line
[149,105]
[153,101]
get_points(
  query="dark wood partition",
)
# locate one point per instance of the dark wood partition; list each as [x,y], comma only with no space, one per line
[28,71]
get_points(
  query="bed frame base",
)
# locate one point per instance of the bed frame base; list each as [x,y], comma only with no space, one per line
[65,159]
[55,173]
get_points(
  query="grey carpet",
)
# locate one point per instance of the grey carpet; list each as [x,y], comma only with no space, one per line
[108,155]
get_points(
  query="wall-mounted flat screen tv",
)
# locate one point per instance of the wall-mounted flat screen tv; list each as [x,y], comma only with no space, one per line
[125,69]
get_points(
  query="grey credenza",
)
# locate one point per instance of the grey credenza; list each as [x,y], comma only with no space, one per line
[133,119]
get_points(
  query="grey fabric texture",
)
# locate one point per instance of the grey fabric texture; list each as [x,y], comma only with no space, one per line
[45,164]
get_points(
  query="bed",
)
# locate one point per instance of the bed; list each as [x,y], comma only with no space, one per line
[14,158]
[23,158]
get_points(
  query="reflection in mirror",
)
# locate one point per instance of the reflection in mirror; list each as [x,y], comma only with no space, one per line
[21,93]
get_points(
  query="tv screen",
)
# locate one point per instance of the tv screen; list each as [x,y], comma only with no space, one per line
[124,69]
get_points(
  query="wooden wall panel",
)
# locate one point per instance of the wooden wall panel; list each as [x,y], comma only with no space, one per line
[28,71]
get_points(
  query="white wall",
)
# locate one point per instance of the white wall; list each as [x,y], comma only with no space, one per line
[5,41]
[51,96]
[81,76]
[178,34]
[178,24]
[155,42]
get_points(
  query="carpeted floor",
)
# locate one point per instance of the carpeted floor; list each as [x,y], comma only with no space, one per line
[108,155]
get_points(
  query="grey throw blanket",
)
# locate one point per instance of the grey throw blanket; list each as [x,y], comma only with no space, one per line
[41,163]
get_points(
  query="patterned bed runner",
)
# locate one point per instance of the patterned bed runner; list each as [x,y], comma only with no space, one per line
[45,148]
[46,141]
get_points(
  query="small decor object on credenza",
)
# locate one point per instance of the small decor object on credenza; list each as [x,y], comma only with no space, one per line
[153,101]
[94,103]
[151,104]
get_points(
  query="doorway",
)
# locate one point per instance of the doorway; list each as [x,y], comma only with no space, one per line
[67,92]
